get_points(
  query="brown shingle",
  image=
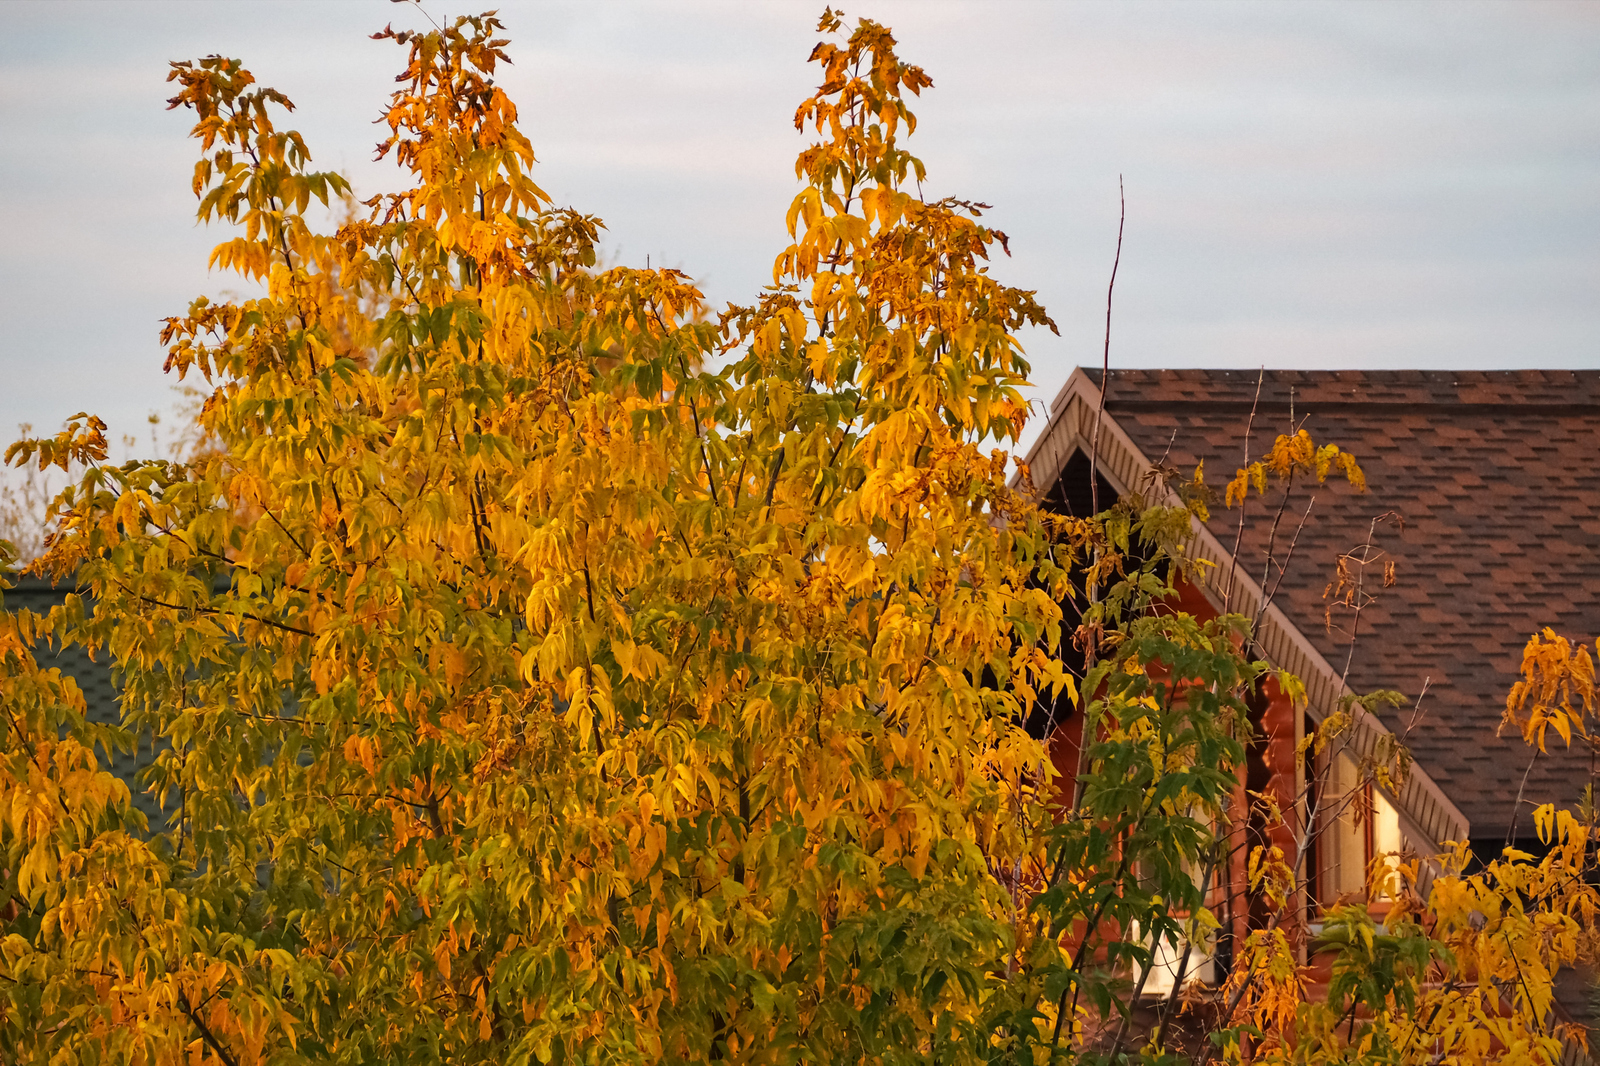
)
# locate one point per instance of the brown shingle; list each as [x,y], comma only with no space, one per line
[1497,474]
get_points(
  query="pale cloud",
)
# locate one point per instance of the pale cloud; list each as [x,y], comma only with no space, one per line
[1308,184]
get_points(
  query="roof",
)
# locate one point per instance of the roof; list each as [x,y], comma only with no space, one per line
[1496,475]
[95,681]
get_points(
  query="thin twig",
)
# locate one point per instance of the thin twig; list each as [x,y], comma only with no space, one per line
[1355,623]
[1238,533]
[1516,809]
[212,610]
[1133,1001]
[1105,357]
[1283,568]
[694,410]
[1186,947]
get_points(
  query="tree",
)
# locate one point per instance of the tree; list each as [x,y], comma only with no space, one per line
[24,502]
[551,673]
[532,690]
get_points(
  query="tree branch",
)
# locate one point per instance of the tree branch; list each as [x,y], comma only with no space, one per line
[205,1032]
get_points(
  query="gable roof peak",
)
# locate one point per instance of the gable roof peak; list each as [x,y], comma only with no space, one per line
[1496,476]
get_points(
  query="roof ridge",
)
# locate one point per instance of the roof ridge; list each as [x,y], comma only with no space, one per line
[1578,390]
[1411,372]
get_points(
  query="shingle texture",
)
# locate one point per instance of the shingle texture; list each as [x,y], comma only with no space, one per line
[1496,475]
[99,693]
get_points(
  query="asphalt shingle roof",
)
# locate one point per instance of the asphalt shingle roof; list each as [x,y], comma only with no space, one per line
[99,691]
[1497,477]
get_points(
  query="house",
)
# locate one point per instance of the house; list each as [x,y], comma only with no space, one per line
[1480,527]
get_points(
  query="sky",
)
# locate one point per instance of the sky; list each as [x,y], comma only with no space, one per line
[1308,185]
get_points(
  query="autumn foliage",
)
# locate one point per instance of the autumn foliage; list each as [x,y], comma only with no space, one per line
[551,668]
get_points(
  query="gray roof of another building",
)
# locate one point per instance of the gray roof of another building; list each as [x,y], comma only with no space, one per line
[95,681]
